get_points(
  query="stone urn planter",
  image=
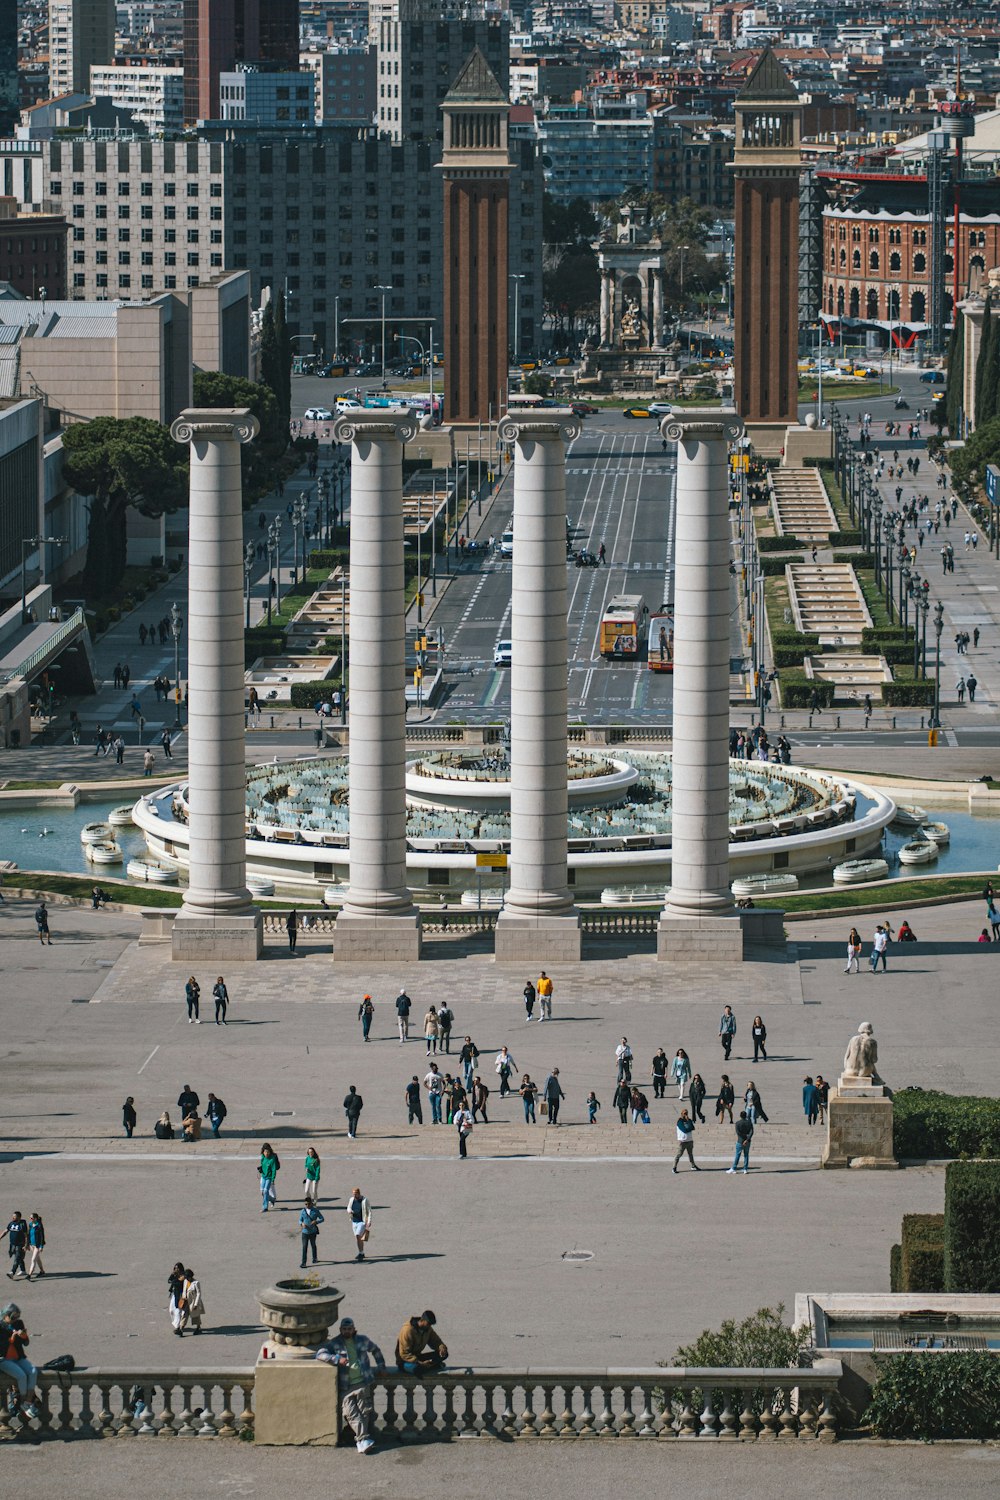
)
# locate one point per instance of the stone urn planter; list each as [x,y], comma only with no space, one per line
[298,1315]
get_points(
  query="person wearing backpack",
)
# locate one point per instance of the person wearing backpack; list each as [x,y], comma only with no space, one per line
[42,923]
[403,1007]
[268,1168]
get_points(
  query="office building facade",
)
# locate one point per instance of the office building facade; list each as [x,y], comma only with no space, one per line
[81,36]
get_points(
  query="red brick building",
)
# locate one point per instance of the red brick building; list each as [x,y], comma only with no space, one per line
[33,251]
[877,244]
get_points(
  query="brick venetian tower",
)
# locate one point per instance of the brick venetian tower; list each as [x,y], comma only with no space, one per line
[766,274]
[476,168]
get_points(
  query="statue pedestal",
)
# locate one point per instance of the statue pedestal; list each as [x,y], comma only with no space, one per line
[859,1125]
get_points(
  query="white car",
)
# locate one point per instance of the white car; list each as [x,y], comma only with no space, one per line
[661,408]
[502,654]
[318,414]
[349,403]
[507,544]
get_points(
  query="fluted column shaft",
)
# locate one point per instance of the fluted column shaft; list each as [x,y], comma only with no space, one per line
[700,845]
[216,760]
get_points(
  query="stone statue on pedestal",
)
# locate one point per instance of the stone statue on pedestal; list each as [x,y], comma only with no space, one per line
[631,320]
[861,1057]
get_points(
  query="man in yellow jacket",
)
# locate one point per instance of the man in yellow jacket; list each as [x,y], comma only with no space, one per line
[419,1349]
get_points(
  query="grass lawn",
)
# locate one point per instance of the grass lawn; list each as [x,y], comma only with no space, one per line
[31,786]
[846,390]
[900,893]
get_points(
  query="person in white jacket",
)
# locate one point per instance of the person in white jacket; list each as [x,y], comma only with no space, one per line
[505,1066]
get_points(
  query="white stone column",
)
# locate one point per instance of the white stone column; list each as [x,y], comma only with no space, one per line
[378,921]
[657,331]
[218,920]
[699,920]
[539,923]
[607,328]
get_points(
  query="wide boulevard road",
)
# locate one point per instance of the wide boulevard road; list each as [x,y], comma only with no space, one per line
[620,491]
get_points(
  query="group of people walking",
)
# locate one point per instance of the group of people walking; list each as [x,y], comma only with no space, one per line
[192,996]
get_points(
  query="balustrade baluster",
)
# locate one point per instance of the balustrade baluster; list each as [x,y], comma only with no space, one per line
[87,1422]
[447,1424]
[567,1421]
[508,1420]
[186,1429]
[105,1418]
[246,1420]
[7,1433]
[687,1422]
[606,1420]
[828,1417]
[207,1428]
[409,1410]
[587,1415]
[227,1417]
[548,1416]
[528,1428]
[627,1428]
[646,1419]
[789,1422]
[126,1422]
[807,1413]
[489,1420]
[768,1424]
[166,1420]
[709,1421]
[147,1420]
[728,1418]
[46,1399]
[389,1421]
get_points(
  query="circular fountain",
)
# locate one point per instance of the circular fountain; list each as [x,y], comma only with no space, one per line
[785,820]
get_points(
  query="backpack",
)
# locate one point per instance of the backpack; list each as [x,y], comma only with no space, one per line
[63,1363]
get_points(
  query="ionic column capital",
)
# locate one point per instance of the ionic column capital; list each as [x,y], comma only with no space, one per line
[694,423]
[375,422]
[233,423]
[539,425]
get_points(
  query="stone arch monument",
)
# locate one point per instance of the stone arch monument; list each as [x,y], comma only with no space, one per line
[630,257]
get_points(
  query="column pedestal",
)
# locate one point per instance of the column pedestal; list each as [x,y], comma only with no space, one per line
[218,921]
[539,924]
[378,922]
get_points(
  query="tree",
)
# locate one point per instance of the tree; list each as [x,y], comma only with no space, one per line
[982,447]
[212,388]
[991,373]
[953,401]
[568,225]
[118,463]
[983,361]
[284,344]
[572,287]
[270,360]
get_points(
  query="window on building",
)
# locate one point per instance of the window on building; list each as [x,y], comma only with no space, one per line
[895,261]
[147,282]
[873,260]
[101,279]
[919,263]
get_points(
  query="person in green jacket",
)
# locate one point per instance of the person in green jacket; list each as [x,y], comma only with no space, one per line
[311,1183]
[269,1166]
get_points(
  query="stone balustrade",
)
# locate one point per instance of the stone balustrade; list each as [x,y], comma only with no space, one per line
[177,1403]
[619,924]
[756,1405]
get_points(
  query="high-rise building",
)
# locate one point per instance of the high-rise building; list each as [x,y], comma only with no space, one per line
[476,166]
[81,35]
[218,34]
[418,59]
[766,168]
[8,68]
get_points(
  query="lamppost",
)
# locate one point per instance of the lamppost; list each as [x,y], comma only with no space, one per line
[887,530]
[248,557]
[517,277]
[28,544]
[905,591]
[298,523]
[336,328]
[938,627]
[323,491]
[876,535]
[900,560]
[273,560]
[925,605]
[176,626]
[383,290]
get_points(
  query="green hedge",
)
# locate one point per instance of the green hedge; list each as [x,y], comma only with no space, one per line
[857,559]
[307,694]
[896,1268]
[935,1396]
[922,1253]
[773,566]
[799,694]
[779,543]
[929,1124]
[874,639]
[846,538]
[908,694]
[330,557]
[971,1221]
[262,640]
[787,656]
[802,640]
[896,653]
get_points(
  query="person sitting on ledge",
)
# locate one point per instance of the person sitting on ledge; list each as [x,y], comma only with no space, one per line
[906,933]
[163,1130]
[415,1337]
[191,1126]
[984,937]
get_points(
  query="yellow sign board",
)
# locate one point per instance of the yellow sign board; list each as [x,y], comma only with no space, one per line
[494,861]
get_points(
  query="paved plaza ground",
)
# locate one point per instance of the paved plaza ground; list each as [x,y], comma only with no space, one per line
[483,1242]
[479,1471]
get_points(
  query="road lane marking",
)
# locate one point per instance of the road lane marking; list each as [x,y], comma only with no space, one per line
[149,1059]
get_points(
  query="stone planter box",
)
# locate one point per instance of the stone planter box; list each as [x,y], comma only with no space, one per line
[298,1315]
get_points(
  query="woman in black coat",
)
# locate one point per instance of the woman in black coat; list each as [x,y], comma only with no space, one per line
[759,1033]
[697,1096]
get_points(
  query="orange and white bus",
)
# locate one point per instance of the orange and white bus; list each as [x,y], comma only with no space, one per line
[623,627]
[660,654]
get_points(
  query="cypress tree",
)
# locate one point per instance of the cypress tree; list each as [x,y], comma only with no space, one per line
[953,389]
[983,359]
[269,361]
[991,374]
[284,349]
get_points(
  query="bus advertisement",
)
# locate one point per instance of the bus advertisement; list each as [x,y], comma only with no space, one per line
[660,655]
[623,627]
